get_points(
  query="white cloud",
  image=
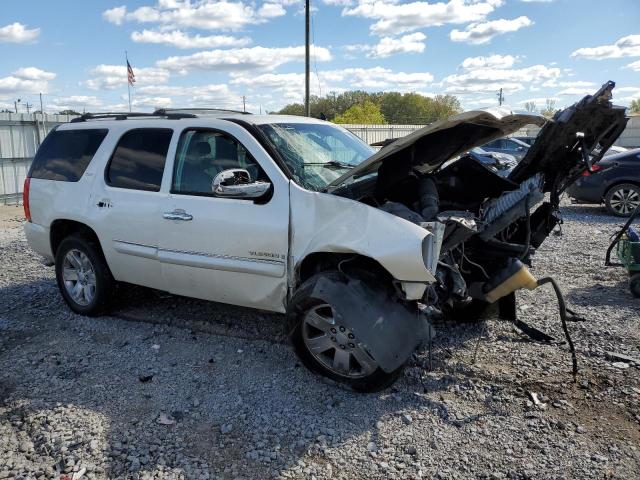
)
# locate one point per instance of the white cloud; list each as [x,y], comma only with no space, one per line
[240,59]
[392,17]
[375,78]
[202,14]
[109,77]
[635,66]
[18,33]
[200,91]
[492,79]
[75,102]
[26,80]
[179,39]
[480,33]
[628,46]
[491,61]
[577,90]
[115,15]
[387,46]
[271,10]
[33,73]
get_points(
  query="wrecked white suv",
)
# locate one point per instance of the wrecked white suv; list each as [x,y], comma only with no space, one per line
[359,248]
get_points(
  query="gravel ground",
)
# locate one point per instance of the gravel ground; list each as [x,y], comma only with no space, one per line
[170,387]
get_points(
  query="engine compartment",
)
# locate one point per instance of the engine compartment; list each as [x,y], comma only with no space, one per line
[493,220]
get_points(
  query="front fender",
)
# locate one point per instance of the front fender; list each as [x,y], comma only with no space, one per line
[321,222]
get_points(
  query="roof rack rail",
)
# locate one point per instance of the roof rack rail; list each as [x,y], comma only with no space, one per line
[124,115]
[168,111]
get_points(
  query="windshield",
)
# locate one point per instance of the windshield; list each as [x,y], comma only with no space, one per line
[316,153]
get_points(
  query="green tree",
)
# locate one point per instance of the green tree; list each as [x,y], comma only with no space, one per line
[398,108]
[69,112]
[367,113]
[635,106]
[413,108]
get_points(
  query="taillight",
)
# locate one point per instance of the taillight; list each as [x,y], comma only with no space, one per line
[25,198]
[594,169]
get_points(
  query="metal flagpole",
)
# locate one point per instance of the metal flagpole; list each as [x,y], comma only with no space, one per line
[126,57]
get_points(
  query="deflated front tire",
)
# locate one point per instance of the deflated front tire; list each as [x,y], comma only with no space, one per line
[327,344]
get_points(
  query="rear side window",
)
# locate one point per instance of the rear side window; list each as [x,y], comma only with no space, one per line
[65,154]
[138,160]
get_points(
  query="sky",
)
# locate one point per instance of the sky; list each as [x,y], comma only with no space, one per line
[212,53]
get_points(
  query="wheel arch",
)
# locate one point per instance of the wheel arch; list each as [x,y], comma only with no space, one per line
[317,262]
[63,228]
[618,182]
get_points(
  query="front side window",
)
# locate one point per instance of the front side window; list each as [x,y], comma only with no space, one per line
[203,154]
[65,154]
[316,153]
[138,160]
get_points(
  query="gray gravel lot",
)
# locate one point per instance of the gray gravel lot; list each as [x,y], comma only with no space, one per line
[171,387]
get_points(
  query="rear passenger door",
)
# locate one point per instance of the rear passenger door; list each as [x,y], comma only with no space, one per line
[128,205]
[231,250]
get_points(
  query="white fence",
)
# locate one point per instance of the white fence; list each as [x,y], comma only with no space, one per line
[21,134]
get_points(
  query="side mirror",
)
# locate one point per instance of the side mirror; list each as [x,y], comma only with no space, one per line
[236,183]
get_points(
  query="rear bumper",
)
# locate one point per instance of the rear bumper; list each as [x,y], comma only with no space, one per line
[39,240]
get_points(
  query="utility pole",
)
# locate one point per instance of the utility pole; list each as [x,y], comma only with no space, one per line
[28,105]
[500,97]
[307,105]
[15,105]
[244,104]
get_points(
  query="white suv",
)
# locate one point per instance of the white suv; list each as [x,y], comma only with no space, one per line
[285,214]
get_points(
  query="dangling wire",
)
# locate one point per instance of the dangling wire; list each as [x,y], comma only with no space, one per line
[563,317]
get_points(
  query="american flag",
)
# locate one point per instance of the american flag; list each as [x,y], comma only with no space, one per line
[130,76]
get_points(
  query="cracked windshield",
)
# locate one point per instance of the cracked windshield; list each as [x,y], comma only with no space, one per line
[317,154]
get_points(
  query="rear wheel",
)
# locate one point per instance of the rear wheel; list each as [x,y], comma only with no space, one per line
[83,276]
[328,347]
[621,200]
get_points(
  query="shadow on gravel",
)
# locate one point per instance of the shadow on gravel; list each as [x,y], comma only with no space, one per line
[598,294]
[590,213]
[130,394]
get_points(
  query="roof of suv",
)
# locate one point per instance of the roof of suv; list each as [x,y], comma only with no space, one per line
[171,117]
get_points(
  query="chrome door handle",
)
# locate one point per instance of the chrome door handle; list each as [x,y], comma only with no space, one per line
[178,214]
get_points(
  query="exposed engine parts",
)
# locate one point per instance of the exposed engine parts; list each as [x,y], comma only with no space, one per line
[488,223]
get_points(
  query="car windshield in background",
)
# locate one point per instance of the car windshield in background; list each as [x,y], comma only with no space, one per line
[316,153]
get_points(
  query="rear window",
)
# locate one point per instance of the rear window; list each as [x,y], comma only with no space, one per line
[138,160]
[65,154]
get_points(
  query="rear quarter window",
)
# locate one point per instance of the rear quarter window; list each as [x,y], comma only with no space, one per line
[65,154]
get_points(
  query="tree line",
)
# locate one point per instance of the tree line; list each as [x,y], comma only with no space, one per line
[378,108]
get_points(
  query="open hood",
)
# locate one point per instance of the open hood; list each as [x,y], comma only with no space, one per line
[427,149]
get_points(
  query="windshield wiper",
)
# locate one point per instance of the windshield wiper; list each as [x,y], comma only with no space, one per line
[331,163]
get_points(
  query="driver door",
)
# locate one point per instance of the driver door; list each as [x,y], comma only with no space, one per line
[220,248]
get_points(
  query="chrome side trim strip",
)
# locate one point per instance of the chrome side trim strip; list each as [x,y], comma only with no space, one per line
[228,263]
[136,249]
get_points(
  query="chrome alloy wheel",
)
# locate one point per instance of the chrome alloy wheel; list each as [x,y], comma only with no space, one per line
[333,345]
[79,277]
[625,200]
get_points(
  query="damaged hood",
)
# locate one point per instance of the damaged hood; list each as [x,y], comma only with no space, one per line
[427,149]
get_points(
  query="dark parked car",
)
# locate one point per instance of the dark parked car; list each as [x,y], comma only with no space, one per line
[508,145]
[616,183]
